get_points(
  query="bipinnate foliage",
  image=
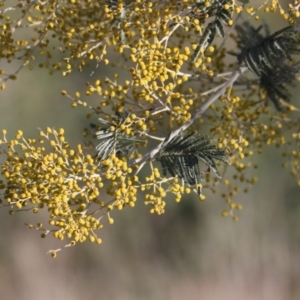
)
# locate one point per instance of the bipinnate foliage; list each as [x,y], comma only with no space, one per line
[181,156]
[114,140]
[180,88]
[266,56]
[221,11]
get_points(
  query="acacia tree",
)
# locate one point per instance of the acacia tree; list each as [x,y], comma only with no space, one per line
[181,72]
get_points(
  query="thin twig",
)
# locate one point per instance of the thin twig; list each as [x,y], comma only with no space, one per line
[199,112]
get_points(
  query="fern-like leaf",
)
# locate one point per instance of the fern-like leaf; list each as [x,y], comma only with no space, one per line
[113,140]
[205,40]
[219,28]
[275,83]
[265,57]
[224,15]
[262,54]
[181,155]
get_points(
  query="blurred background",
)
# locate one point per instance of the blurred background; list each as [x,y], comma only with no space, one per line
[189,252]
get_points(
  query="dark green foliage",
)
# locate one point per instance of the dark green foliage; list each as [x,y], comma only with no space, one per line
[275,83]
[261,54]
[219,28]
[112,4]
[224,15]
[115,141]
[181,155]
[265,57]
[217,10]
[205,40]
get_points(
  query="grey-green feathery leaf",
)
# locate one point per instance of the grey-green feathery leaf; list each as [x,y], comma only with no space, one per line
[181,155]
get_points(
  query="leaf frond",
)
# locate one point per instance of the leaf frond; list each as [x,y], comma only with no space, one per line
[181,155]
[115,141]
[265,57]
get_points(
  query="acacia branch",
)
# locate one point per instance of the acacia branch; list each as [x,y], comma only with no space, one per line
[200,111]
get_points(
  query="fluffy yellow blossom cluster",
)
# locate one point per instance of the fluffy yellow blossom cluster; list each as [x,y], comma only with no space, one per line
[46,173]
[179,80]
